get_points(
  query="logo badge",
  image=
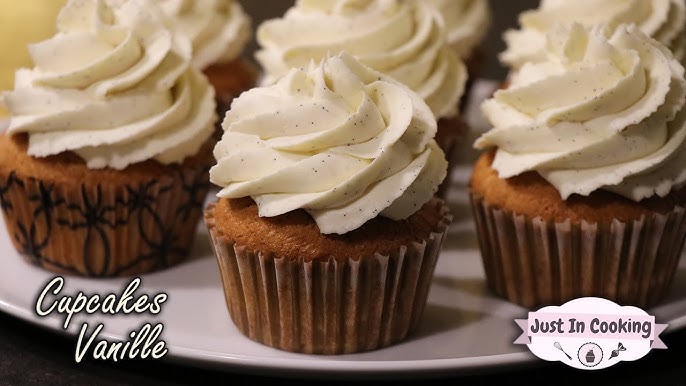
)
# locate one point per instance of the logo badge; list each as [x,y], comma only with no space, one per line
[590,333]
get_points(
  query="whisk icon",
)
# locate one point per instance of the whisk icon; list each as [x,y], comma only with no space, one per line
[559,347]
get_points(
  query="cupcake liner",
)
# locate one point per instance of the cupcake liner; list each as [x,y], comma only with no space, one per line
[327,306]
[533,262]
[104,230]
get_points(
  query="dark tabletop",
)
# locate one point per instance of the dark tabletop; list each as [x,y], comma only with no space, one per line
[31,355]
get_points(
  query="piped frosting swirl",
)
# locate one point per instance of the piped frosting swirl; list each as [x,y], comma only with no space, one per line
[114,86]
[605,111]
[664,20]
[218,29]
[339,140]
[402,39]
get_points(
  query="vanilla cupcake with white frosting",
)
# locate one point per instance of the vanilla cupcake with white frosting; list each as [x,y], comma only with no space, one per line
[403,39]
[328,178]
[663,20]
[582,192]
[219,31]
[104,164]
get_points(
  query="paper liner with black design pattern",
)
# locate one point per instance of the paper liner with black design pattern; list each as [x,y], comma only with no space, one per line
[533,262]
[330,306]
[105,230]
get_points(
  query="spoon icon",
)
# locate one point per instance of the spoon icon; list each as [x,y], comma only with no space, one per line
[559,347]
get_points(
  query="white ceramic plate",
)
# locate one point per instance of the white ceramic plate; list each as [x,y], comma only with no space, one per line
[464,327]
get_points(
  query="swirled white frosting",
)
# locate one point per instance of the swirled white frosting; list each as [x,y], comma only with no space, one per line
[466,21]
[403,39]
[339,140]
[218,29]
[606,111]
[114,86]
[664,20]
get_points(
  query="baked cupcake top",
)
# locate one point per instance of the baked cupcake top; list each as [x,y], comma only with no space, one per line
[403,39]
[218,29]
[604,111]
[664,20]
[466,22]
[114,86]
[338,139]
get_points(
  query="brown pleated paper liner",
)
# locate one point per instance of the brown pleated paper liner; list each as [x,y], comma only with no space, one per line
[533,262]
[327,306]
[114,229]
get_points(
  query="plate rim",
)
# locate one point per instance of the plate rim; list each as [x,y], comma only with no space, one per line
[220,361]
[307,368]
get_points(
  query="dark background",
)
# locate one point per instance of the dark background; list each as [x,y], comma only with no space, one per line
[30,355]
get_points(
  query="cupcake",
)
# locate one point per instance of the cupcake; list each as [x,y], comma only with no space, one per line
[219,30]
[326,229]
[467,22]
[403,39]
[663,20]
[22,23]
[581,192]
[104,165]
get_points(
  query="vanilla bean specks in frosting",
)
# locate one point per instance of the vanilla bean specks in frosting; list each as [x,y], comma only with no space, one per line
[401,38]
[664,20]
[218,29]
[115,86]
[338,139]
[605,111]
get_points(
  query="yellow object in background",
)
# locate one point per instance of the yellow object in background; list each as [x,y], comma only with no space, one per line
[22,23]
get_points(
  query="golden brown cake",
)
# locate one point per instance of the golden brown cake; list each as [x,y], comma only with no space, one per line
[295,235]
[327,233]
[531,195]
